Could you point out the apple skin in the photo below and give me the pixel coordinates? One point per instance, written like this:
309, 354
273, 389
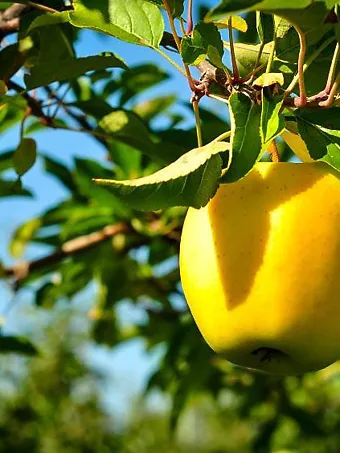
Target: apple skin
260, 268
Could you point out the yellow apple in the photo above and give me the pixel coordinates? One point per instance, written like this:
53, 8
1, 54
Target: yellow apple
260, 268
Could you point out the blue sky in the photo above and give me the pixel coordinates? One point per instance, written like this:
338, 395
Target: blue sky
128, 365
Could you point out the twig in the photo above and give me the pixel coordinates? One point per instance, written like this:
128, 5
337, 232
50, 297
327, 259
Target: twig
10, 19
72, 247
236, 74
198, 122
178, 44
332, 69
189, 20
44, 8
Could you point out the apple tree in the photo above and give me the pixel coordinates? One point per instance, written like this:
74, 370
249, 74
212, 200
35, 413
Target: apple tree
262, 81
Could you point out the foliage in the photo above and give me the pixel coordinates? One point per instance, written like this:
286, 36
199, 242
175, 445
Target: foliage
282, 76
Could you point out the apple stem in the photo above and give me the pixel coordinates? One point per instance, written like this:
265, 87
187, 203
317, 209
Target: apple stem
273, 151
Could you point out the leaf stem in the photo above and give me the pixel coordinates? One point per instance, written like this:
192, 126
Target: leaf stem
306, 65
258, 58
271, 55
332, 93
170, 60
198, 122
332, 69
302, 99
178, 43
236, 73
189, 20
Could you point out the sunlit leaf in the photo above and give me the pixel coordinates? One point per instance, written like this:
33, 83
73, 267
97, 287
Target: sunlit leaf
190, 181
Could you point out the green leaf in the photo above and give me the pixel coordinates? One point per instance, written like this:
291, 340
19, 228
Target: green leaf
22, 236
190, 181
245, 138
46, 73
126, 127
3, 88
18, 345
13, 188
305, 13
272, 121
49, 19
138, 79
322, 143
195, 49
24, 156
151, 108
47, 295
328, 118
265, 27
135, 21
6, 160
61, 172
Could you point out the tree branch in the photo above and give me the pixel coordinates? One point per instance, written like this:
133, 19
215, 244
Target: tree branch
69, 248
75, 246
10, 18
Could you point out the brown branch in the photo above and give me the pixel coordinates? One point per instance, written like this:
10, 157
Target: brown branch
69, 248
80, 244
10, 18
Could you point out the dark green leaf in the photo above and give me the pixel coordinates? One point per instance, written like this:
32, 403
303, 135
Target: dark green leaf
140, 78
206, 39
265, 27
46, 73
322, 143
12, 189
61, 172
47, 295
16, 345
190, 181
245, 138
24, 156
6, 160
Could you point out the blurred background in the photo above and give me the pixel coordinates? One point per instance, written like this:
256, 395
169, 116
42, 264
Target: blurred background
121, 365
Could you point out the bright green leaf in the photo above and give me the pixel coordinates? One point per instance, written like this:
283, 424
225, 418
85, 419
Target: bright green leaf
135, 21
190, 181
245, 138
205, 36
272, 121
23, 235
